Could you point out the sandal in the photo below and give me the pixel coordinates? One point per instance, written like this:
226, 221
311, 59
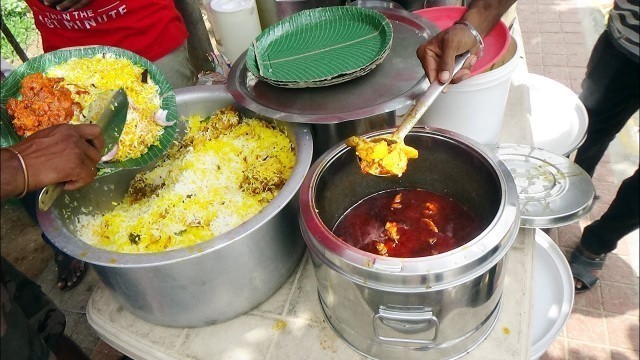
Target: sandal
582, 264
70, 271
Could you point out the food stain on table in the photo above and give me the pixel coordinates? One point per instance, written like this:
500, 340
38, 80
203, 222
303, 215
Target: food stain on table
279, 325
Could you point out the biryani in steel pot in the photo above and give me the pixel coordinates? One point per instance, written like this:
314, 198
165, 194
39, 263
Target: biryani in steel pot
62, 92
224, 171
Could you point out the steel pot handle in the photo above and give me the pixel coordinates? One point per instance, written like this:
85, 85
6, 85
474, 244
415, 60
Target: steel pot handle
412, 318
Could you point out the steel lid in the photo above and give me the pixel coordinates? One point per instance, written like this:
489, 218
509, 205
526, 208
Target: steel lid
394, 83
553, 190
553, 294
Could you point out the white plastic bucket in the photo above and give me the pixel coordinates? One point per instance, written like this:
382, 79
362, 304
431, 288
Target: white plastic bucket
235, 24
474, 107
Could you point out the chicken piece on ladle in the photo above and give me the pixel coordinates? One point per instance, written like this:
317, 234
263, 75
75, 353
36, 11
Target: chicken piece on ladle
382, 156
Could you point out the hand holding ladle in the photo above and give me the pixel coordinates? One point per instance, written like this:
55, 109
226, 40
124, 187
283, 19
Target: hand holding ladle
388, 155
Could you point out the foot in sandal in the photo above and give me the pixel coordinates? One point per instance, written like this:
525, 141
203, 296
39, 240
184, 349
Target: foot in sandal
584, 266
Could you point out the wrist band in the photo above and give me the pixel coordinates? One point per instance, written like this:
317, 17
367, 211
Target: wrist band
24, 171
475, 34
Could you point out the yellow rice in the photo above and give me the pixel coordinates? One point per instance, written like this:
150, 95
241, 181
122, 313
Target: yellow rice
99, 74
222, 173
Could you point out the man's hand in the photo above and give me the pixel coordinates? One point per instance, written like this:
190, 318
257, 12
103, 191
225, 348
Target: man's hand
62, 153
64, 5
437, 55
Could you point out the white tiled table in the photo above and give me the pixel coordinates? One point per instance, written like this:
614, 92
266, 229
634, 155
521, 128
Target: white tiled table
291, 325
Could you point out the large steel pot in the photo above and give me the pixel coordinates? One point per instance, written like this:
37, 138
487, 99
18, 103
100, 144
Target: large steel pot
211, 282
355, 107
401, 308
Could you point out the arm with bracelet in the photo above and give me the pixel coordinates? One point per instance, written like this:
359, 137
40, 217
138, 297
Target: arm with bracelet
59, 154
438, 53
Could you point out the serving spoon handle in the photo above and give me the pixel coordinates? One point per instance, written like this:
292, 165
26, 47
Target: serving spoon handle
426, 99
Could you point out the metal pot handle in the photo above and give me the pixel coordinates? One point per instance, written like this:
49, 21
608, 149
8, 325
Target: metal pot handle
413, 317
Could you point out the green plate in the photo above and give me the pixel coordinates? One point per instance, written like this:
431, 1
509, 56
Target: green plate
11, 89
321, 45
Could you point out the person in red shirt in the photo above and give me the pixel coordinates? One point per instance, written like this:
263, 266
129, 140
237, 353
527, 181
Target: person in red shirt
153, 29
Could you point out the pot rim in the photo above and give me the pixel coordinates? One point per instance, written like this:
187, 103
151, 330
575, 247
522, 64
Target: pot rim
476, 256
59, 234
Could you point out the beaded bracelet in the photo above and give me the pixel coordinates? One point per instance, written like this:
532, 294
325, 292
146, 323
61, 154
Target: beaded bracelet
475, 34
24, 171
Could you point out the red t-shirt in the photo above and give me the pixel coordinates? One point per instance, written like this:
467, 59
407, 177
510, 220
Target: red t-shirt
149, 28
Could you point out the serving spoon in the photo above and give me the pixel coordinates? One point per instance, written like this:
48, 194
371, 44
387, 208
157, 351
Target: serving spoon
109, 111
422, 104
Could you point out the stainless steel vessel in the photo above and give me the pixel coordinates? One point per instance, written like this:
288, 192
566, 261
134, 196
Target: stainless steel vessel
355, 107
408, 308
210, 282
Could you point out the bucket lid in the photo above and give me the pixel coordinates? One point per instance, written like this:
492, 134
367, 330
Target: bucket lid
558, 117
496, 42
553, 190
553, 294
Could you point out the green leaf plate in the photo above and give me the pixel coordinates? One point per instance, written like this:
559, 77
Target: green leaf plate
320, 47
41, 63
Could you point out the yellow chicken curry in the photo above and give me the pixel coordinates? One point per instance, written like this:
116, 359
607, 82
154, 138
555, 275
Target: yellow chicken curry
382, 156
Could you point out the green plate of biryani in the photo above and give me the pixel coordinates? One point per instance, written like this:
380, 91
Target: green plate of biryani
320, 47
58, 86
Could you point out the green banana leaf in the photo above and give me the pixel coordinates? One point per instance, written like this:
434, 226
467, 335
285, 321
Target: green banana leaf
41, 63
319, 46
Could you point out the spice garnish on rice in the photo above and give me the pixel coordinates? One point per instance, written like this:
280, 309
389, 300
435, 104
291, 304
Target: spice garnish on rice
225, 171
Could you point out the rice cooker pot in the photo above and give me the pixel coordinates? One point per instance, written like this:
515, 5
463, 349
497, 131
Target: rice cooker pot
392, 308
207, 283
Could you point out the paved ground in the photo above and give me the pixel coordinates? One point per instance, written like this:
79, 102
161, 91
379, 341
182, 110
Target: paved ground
558, 37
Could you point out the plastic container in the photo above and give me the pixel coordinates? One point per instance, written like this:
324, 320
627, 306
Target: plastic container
474, 107
235, 24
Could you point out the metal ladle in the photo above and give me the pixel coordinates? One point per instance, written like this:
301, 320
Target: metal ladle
420, 107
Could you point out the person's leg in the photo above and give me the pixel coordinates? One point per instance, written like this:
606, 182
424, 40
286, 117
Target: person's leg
177, 68
602, 236
31, 323
611, 94
70, 270
621, 218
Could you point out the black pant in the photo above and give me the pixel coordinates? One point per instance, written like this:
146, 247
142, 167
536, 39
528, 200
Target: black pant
611, 94
32, 325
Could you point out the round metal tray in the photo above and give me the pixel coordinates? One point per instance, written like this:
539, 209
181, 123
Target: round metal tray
553, 294
395, 83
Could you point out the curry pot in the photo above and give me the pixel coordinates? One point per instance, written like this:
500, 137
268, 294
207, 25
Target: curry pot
207, 283
404, 308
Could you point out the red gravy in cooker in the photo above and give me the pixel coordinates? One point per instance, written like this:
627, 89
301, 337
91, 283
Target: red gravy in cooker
407, 223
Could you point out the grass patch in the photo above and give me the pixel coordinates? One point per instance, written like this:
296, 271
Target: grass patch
17, 16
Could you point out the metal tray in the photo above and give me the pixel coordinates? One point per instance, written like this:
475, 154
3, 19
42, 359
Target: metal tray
395, 83
552, 294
